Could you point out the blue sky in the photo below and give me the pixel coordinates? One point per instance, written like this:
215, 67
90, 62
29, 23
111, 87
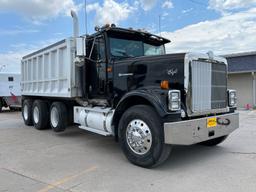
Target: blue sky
224, 26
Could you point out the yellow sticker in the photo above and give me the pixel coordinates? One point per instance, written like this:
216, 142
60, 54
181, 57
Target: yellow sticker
211, 122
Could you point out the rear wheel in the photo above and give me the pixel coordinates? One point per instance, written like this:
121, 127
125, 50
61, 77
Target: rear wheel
142, 137
40, 115
214, 142
27, 112
58, 116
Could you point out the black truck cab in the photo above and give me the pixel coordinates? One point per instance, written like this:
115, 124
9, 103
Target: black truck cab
121, 61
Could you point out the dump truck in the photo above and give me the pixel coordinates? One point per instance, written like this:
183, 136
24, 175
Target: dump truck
10, 94
120, 82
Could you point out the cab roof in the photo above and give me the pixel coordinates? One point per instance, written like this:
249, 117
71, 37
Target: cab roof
128, 32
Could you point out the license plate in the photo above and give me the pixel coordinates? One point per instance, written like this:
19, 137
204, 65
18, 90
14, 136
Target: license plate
211, 122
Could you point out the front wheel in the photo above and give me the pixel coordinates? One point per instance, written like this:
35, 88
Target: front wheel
142, 137
214, 142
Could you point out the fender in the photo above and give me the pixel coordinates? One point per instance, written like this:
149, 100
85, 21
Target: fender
156, 98
149, 96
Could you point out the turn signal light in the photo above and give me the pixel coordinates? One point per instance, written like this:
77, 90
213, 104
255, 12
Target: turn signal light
164, 84
109, 69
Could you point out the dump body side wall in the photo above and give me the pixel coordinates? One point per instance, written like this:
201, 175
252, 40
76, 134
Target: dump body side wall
50, 71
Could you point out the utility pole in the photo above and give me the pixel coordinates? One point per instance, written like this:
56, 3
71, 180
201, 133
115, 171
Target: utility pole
85, 16
159, 23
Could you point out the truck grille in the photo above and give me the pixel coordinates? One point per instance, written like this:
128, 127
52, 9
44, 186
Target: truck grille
209, 85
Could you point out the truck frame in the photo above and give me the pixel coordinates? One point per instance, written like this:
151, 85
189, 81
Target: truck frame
120, 82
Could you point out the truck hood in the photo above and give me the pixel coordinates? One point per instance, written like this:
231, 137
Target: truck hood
150, 71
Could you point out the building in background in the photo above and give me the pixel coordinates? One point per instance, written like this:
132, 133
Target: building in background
242, 77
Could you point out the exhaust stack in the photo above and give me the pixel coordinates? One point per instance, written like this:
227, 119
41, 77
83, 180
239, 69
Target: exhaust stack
75, 24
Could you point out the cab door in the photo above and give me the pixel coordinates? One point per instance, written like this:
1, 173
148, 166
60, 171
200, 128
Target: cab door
96, 70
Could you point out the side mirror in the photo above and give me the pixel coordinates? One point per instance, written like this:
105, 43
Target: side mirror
80, 46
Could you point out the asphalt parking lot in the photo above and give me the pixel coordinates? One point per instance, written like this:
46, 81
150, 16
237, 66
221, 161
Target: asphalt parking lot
79, 161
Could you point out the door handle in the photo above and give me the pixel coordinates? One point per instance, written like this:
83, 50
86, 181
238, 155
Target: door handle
124, 74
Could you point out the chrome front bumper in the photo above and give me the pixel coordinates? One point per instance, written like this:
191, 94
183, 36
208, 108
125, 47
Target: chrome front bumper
195, 131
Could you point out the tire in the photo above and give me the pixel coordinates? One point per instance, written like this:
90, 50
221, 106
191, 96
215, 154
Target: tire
58, 116
13, 108
1, 105
40, 115
214, 142
26, 112
153, 150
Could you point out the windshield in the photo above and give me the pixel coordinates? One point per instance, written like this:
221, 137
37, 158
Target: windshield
133, 48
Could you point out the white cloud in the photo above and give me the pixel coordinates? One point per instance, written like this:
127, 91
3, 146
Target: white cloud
224, 6
165, 14
147, 4
185, 11
229, 34
167, 4
92, 7
37, 10
16, 31
110, 11
12, 59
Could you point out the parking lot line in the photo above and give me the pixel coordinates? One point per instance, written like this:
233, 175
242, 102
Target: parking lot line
66, 179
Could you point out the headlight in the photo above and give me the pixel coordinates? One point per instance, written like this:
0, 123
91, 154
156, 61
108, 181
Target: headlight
174, 100
232, 99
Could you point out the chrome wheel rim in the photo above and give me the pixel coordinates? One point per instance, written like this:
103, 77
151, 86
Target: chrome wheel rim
138, 137
25, 112
36, 114
54, 117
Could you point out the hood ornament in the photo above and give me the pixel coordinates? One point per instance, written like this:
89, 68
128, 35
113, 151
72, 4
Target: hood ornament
172, 72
